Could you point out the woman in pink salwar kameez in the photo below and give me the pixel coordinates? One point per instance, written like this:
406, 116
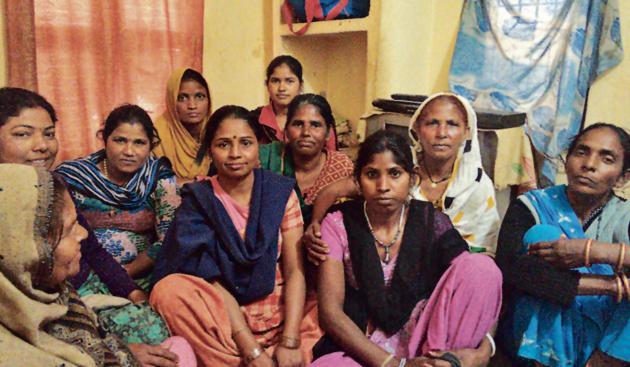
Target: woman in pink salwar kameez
399, 286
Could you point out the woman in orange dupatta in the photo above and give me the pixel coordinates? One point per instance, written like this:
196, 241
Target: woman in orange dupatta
188, 108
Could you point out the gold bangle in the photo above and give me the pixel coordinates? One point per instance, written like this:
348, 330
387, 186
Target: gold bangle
626, 284
289, 343
255, 353
622, 256
619, 288
587, 252
387, 360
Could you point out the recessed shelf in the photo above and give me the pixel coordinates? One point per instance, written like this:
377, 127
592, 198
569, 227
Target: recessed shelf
338, 56
327, 27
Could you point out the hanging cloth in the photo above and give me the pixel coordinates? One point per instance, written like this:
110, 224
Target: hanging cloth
540, 59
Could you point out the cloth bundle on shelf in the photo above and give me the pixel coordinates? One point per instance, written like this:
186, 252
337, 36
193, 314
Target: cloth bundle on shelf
313, 10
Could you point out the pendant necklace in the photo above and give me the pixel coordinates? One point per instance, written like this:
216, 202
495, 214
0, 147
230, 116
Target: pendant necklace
385, 246
434, 183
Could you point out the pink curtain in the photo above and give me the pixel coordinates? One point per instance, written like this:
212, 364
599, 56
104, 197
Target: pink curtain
92, 56
20, 31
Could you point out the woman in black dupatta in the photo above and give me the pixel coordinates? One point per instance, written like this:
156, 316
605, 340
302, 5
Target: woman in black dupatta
411, 293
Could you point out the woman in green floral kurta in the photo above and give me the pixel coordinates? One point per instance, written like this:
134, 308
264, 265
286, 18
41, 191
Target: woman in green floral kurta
129, 199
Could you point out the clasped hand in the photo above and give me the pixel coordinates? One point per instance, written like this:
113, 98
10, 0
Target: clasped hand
562, 253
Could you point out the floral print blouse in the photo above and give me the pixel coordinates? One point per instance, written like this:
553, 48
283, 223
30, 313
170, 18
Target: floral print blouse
127, 233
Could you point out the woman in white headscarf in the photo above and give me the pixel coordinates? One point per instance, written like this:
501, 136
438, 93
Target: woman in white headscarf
443, 131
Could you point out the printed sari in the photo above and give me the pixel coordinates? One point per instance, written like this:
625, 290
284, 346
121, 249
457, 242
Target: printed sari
567, 336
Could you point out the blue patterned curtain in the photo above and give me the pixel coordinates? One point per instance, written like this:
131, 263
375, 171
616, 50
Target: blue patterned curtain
538, 57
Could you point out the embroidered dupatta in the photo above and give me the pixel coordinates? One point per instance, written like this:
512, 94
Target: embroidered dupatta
38, 327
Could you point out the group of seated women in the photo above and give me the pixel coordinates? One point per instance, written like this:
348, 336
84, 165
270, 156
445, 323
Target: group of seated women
191, 242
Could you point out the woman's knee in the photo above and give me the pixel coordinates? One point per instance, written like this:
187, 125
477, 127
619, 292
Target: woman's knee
478, 269
169, 290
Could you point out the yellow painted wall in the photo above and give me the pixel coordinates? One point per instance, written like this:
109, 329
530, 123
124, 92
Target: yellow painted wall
445, 28
236, 50
609, 98
403, 63
416, 44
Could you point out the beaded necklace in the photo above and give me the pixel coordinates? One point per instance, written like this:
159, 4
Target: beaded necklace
385, 246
